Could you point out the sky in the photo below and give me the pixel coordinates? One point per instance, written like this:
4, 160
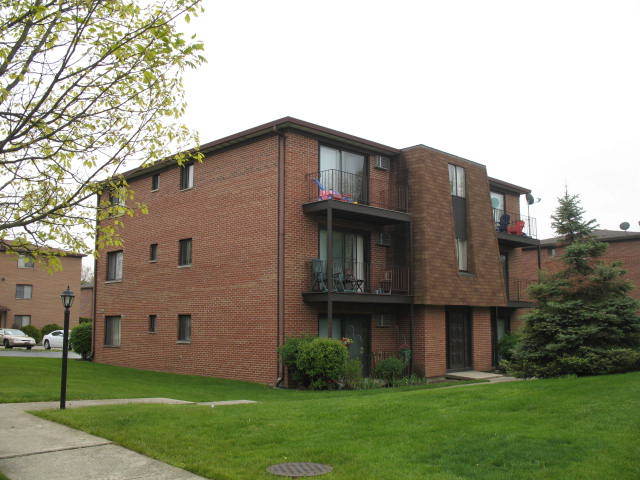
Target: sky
546, 94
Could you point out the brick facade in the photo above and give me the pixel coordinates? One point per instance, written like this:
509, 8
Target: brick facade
85, 302
245, 218
44, 306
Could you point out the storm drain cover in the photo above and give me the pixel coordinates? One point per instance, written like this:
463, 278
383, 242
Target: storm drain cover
303, 469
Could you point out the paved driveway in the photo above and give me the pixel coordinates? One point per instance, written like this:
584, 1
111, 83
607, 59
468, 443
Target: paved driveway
36, 351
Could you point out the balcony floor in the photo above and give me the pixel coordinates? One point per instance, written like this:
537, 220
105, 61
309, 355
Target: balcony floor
514, 241
319, 297
357, 211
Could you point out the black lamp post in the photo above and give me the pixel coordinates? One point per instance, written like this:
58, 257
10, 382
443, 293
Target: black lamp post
67, 300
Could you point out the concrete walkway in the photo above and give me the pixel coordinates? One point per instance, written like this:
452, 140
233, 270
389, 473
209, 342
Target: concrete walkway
32, 448
37, 351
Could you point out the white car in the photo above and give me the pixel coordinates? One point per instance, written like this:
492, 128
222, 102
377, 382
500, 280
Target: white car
53, 339
12, 337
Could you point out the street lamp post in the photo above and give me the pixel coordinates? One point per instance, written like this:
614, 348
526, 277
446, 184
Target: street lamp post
67, 300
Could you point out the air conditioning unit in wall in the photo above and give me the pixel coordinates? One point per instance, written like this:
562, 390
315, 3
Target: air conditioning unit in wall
383, 163
384, 239
383, 320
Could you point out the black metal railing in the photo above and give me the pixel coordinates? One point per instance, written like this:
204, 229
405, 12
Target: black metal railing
353, 188
517, 289
514, 223
358, 277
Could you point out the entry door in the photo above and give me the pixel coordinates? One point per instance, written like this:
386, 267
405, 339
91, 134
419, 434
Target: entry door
458, 339
355, 327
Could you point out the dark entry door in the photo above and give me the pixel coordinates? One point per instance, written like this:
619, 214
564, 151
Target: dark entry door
458, 339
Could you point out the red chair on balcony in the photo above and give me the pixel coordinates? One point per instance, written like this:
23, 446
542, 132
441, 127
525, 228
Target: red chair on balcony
517, 228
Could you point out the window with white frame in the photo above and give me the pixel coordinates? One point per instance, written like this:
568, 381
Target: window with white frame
112, 331
23, 291
114, 265
20, 321
186, 176
25, 261
457, 181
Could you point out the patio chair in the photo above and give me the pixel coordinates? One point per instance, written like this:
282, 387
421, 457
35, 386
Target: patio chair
339, 280
503, 224
319, 276
516, 229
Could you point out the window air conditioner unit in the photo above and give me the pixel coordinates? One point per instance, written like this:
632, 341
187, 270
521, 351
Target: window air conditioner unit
383, 320
383, 163
384, 239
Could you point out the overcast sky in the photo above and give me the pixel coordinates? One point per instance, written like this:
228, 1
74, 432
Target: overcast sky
541, 92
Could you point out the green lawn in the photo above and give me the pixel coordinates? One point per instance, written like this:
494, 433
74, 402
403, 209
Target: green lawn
574, 428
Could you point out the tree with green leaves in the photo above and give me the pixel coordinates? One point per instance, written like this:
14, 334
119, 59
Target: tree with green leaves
88, 89
585, 322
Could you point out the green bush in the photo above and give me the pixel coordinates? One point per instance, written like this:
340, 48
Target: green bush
322, 361
80, 339
352, 374
390, 369
32, 332
47, 329
289, 352
85, 320
506, 348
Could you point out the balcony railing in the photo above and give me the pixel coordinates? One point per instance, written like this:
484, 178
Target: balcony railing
517, 290
358, 277
354, 188
514, 223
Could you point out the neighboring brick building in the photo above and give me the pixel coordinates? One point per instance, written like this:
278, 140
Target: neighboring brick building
30, 295
622, 246
233, 256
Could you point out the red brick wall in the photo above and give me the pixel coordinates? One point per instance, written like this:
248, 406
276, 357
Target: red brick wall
430, 348
437, 280
482, 351
45, 306
230, 290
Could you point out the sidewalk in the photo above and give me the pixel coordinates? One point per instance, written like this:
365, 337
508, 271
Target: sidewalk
32, 448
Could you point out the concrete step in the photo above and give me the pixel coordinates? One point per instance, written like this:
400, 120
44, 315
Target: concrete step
474, 375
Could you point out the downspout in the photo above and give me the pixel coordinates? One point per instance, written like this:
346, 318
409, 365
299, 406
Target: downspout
95, 285
280, 267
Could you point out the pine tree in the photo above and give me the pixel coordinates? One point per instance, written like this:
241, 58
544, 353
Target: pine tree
585, 322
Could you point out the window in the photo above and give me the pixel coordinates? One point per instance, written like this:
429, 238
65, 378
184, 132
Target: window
152, 323
186, 176
24, 291
497, 204
25, 262
155, 182
116, 198
112, 331
185, 252
343, 172
456, 181
114, 265
458, 199
20, 321
552, 252
153, 252
184, 328
462, 255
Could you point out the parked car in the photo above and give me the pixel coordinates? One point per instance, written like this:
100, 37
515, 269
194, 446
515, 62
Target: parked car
53, 339
12, 337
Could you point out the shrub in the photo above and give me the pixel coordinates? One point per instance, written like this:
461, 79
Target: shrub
80, 339
352, 374
32, 332
322, 361
50, 328
389, 369
506, 348
289, 352
85, 320
410, 380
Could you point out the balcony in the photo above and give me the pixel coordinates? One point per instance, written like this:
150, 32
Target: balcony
349, 196
356, 282
515, 230
517, 292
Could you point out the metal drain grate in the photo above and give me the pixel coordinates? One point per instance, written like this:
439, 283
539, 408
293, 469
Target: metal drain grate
302, 469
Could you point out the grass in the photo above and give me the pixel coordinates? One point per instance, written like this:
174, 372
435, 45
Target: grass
38, 379
571, 428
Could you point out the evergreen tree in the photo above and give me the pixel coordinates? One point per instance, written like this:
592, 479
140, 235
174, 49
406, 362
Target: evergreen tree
585, 322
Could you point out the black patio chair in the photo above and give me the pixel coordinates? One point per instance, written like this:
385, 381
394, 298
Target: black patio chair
319, 276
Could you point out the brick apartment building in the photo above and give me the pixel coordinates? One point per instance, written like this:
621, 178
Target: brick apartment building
292, 229
622, 246
30, 295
